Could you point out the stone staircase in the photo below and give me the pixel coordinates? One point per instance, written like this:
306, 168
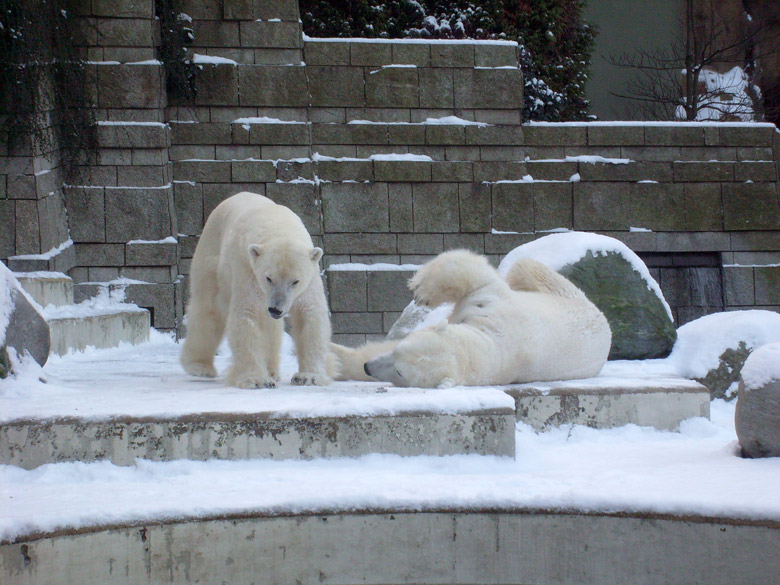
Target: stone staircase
101, 321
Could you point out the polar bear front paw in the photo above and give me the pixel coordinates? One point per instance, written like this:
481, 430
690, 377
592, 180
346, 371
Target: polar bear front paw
200, 369
310, 379
251, 381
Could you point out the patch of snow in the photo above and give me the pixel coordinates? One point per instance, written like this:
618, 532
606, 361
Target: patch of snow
558, 250
129, 123
409, 157
393, 66
575, 178
762, 367
591, 159
697, 124
638, 229
378, 267
199, 59
264, 120
701, 342
168, 240
146, 62
309, 39
47, 255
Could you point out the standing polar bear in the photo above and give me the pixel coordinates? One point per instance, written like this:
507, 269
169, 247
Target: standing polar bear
255, 263
533, 326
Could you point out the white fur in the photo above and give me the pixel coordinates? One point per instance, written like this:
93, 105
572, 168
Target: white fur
547, 330
255, 263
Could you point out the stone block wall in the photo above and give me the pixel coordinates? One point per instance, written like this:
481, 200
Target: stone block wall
391, 152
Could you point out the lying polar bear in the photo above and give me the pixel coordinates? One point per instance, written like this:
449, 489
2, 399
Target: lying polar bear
533, 326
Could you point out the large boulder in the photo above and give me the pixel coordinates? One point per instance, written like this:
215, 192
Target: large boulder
617, 281
757, 417
712, 349
22, 327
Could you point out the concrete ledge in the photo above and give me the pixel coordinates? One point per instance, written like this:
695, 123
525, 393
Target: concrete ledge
30, 443
544, 547
104, 329
611, 402
47, 288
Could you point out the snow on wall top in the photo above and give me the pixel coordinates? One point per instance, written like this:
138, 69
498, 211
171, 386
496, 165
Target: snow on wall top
309, 39
559, 250
761, 367
699, 123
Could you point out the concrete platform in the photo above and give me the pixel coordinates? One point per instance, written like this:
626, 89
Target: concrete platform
530, 546
604, 402
260, 435
100, 329
47, 288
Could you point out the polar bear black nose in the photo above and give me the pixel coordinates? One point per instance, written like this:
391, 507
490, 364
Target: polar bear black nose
275, 313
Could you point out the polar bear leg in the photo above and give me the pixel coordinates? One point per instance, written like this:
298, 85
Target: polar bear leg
310, 330
205, 328
251, 339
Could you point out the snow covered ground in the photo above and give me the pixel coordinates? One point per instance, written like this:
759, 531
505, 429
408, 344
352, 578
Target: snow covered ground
695, 471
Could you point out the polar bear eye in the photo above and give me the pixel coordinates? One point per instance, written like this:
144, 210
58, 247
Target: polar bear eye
295, 282
268, 278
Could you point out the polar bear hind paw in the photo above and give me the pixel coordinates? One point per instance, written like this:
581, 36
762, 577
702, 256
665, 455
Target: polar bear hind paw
310, 379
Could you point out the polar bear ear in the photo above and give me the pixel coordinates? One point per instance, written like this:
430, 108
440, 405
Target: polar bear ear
316, 254
254, 251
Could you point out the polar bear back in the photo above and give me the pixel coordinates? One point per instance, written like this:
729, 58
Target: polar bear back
251, 218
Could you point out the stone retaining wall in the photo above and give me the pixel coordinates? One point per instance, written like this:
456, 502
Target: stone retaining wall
698, 201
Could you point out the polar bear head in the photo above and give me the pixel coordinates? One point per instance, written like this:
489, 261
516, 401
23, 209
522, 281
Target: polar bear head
421, 360
283, 272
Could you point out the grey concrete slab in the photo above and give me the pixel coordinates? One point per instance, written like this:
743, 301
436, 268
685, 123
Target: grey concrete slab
260, 435
545, 547
610, 402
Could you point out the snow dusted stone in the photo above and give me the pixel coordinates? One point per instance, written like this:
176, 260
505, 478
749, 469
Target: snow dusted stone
757, 417
617, 281
22, 327
416, 317
712, 349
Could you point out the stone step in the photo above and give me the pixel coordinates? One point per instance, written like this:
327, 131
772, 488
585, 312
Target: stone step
73, 327
258, 435
47, 288
604, 402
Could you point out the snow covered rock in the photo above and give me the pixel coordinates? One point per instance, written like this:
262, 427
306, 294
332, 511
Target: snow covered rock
22, 327
617, 281
757, 416
712, 349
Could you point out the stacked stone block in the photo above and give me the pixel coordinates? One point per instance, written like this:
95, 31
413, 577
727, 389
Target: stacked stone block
341, 131
121, 212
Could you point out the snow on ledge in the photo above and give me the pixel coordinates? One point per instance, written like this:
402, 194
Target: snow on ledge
309, 39
168, 240
46, 255
378, 267
683, 124
199, 59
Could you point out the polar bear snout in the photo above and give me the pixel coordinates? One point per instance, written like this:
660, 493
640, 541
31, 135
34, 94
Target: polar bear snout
383, 368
